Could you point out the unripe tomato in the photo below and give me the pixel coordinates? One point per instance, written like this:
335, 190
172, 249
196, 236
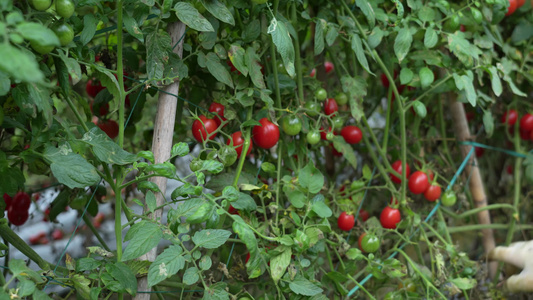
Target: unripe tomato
330, 106
41, 5
267, 135
291, 124
369, 243
432, 193
218, 110
341, 98
346, 221
418, 182
452, 24
313, 137
17, 217
196, 164
352, 134
390, 217
201, 131
227, 155
476, 15
312, 108
526, 122
238, 142
449, 198
511, 116
337, 123
397, 166
41, 49
321, 94
65, 8
324, 133
64, 33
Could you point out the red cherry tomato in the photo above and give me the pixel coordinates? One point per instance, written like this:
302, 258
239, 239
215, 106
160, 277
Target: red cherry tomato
46, 216
8, 200
479, 151
313, 72
21, 202
267, 135
346, 221
525, 135
526, 123
36, 239
390, 217
334, 151
238, 142
513, 5
218, 110
363, 215
17, 217
110, 127
520, 3
201, 131
511, 116
247, 258
330, 106
432, 193
104, 108
57, 234
397, 166
93, 87
232, 210
352, 134
418, 182
329, 67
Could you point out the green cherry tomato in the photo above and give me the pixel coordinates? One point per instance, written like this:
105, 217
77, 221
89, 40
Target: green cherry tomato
65, 8
40, 48
420, 109
64, 32
476, 15
41, 5
291, 124
313, 137
453, 23
227, 155
330, 135
312, 108
321, 94
448, 199
341, 98
370, 243
338, 122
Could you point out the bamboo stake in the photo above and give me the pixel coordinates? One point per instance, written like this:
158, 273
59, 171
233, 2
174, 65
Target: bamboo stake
462, 132
162, 143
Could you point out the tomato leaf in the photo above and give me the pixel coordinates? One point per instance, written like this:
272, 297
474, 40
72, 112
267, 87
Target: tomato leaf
355, 88
191, 17
406, 75
332, 34
236, 55
133, 28
211, 238
252, 61
463, 49
402, 44
283, 42
219, 11
105, 149
21, 64
168, 263
319, 36
124, 276
69, 168
368, 11
302, 286
426, 77
143, 237
357, 48
157, 48
430, 38
464, 283
217, 291
244, 202
311, 178
375, 37
179, 149
495, 80
466, 83
217, 69
39, 33
279, 264
251, 31
295, 196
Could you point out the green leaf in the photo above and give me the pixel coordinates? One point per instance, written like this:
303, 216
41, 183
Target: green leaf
165, 169
247, 236
426, 77
87, 264
168, 263
108, 80
375, 37
279, 264
216, 291
356, 90
463, 49
191, 276
236, 55
357, 47
244, 202
466, 83
319, 36
488, 122
211, 238
283, 42
71, 169
430, 38
310, 178
219, 10
296, 197
191, 17
252, 61
150, 201
105, 149
38, 33
124, 276
90, 23
406, 75
179, 149
464, 283
217, 69
205, 263
495, 81
21, 65
426, 14
147, 236
321, 209
347, 151
12, 177
402, 43
40, 295
354, 254
368, 11
133, 28
81, 284
523, 31
212, 166
332, 34
251, 31
302, 286
157, 48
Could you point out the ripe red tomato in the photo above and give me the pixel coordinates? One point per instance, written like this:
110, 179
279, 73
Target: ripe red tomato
479, 151
526, 123
334, 151
330, 106
57, 234
8, 200
432, 193
329, 67
110, 127
418, 182
313, 72
352, 134
232, 210
390, 217
267, 135
201, 131
36, 239
363, 215
346, 221
218, 110
524, 134
397, 166
511, 116
103, 108
93, 87
17, 217
238, 142
21, 202
247, 258
513, 5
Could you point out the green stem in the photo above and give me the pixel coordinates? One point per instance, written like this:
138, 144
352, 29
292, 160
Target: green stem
118, 221
297, 58
120, 75
76, 113
387, 122
278, 178
275, 64
361, 287
12, 238
95, 232
446, 232
443, 133
477, 210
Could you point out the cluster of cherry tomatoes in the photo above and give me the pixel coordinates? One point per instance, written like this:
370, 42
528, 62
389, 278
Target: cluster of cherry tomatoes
17, 208
526, 123
62, 29
41, 238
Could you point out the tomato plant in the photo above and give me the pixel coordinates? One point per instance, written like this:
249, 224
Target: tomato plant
369, 242
397, 166
218, 110
330, 106
389, 217
526, 122
418, 182
236, 140
352, 134
449, 198
265, 136
510, 117
345, 221
204, 128
432, 193
291, 124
